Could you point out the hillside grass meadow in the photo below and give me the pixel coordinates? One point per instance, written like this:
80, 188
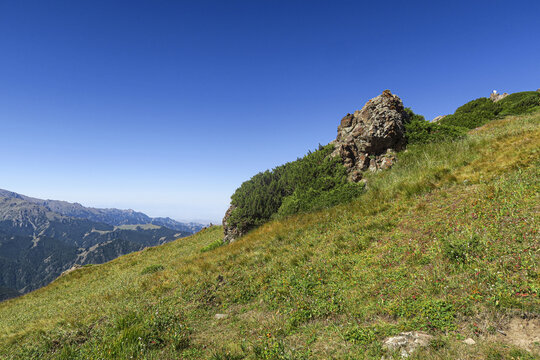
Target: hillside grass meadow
446, 242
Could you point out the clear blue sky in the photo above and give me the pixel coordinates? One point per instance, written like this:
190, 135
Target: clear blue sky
167, 106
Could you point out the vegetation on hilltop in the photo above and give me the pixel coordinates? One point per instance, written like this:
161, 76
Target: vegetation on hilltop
478, 112
444, 244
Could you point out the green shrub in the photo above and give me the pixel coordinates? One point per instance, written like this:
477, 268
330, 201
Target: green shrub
313, 182
225, 355
319, 181
439, 343
480, 111
520, 103
460, 249
271, 349
420, 131
306, 200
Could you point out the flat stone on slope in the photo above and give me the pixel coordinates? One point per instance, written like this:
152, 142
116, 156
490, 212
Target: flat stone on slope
407, 342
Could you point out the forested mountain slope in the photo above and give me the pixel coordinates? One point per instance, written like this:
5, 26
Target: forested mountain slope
40, 239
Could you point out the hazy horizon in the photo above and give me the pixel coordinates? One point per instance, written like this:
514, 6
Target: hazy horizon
127, 205
166, 108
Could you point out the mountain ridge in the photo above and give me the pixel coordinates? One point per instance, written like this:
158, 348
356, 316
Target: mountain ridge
40, 239
111, 216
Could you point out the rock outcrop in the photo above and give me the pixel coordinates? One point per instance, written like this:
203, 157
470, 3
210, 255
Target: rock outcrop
495, 96
369, 138
231, 232
438, 118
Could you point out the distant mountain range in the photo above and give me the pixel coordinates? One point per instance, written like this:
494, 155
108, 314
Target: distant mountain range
40, 239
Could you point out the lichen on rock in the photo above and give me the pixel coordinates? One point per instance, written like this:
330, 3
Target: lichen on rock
407, 342
369, 138
231, 232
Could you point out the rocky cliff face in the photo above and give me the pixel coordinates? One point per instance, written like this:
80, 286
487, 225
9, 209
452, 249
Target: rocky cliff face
369, 138
438, 118
494, 96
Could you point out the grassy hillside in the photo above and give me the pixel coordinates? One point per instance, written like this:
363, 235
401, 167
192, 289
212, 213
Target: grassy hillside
446, 242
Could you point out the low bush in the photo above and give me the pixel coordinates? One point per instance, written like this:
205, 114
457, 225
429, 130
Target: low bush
361, 335
313, 182
428, 314
420, 131
303, 200
460, 249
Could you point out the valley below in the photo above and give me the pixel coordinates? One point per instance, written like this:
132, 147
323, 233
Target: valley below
41, 239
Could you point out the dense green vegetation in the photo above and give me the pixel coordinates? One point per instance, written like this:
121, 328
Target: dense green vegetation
313, 182
420, 131
443, 244
478, 112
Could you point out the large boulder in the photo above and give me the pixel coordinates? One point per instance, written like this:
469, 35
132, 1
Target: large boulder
369, 138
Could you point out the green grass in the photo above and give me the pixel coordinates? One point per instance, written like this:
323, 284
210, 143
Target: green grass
445, 242
152, 269
213, 245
